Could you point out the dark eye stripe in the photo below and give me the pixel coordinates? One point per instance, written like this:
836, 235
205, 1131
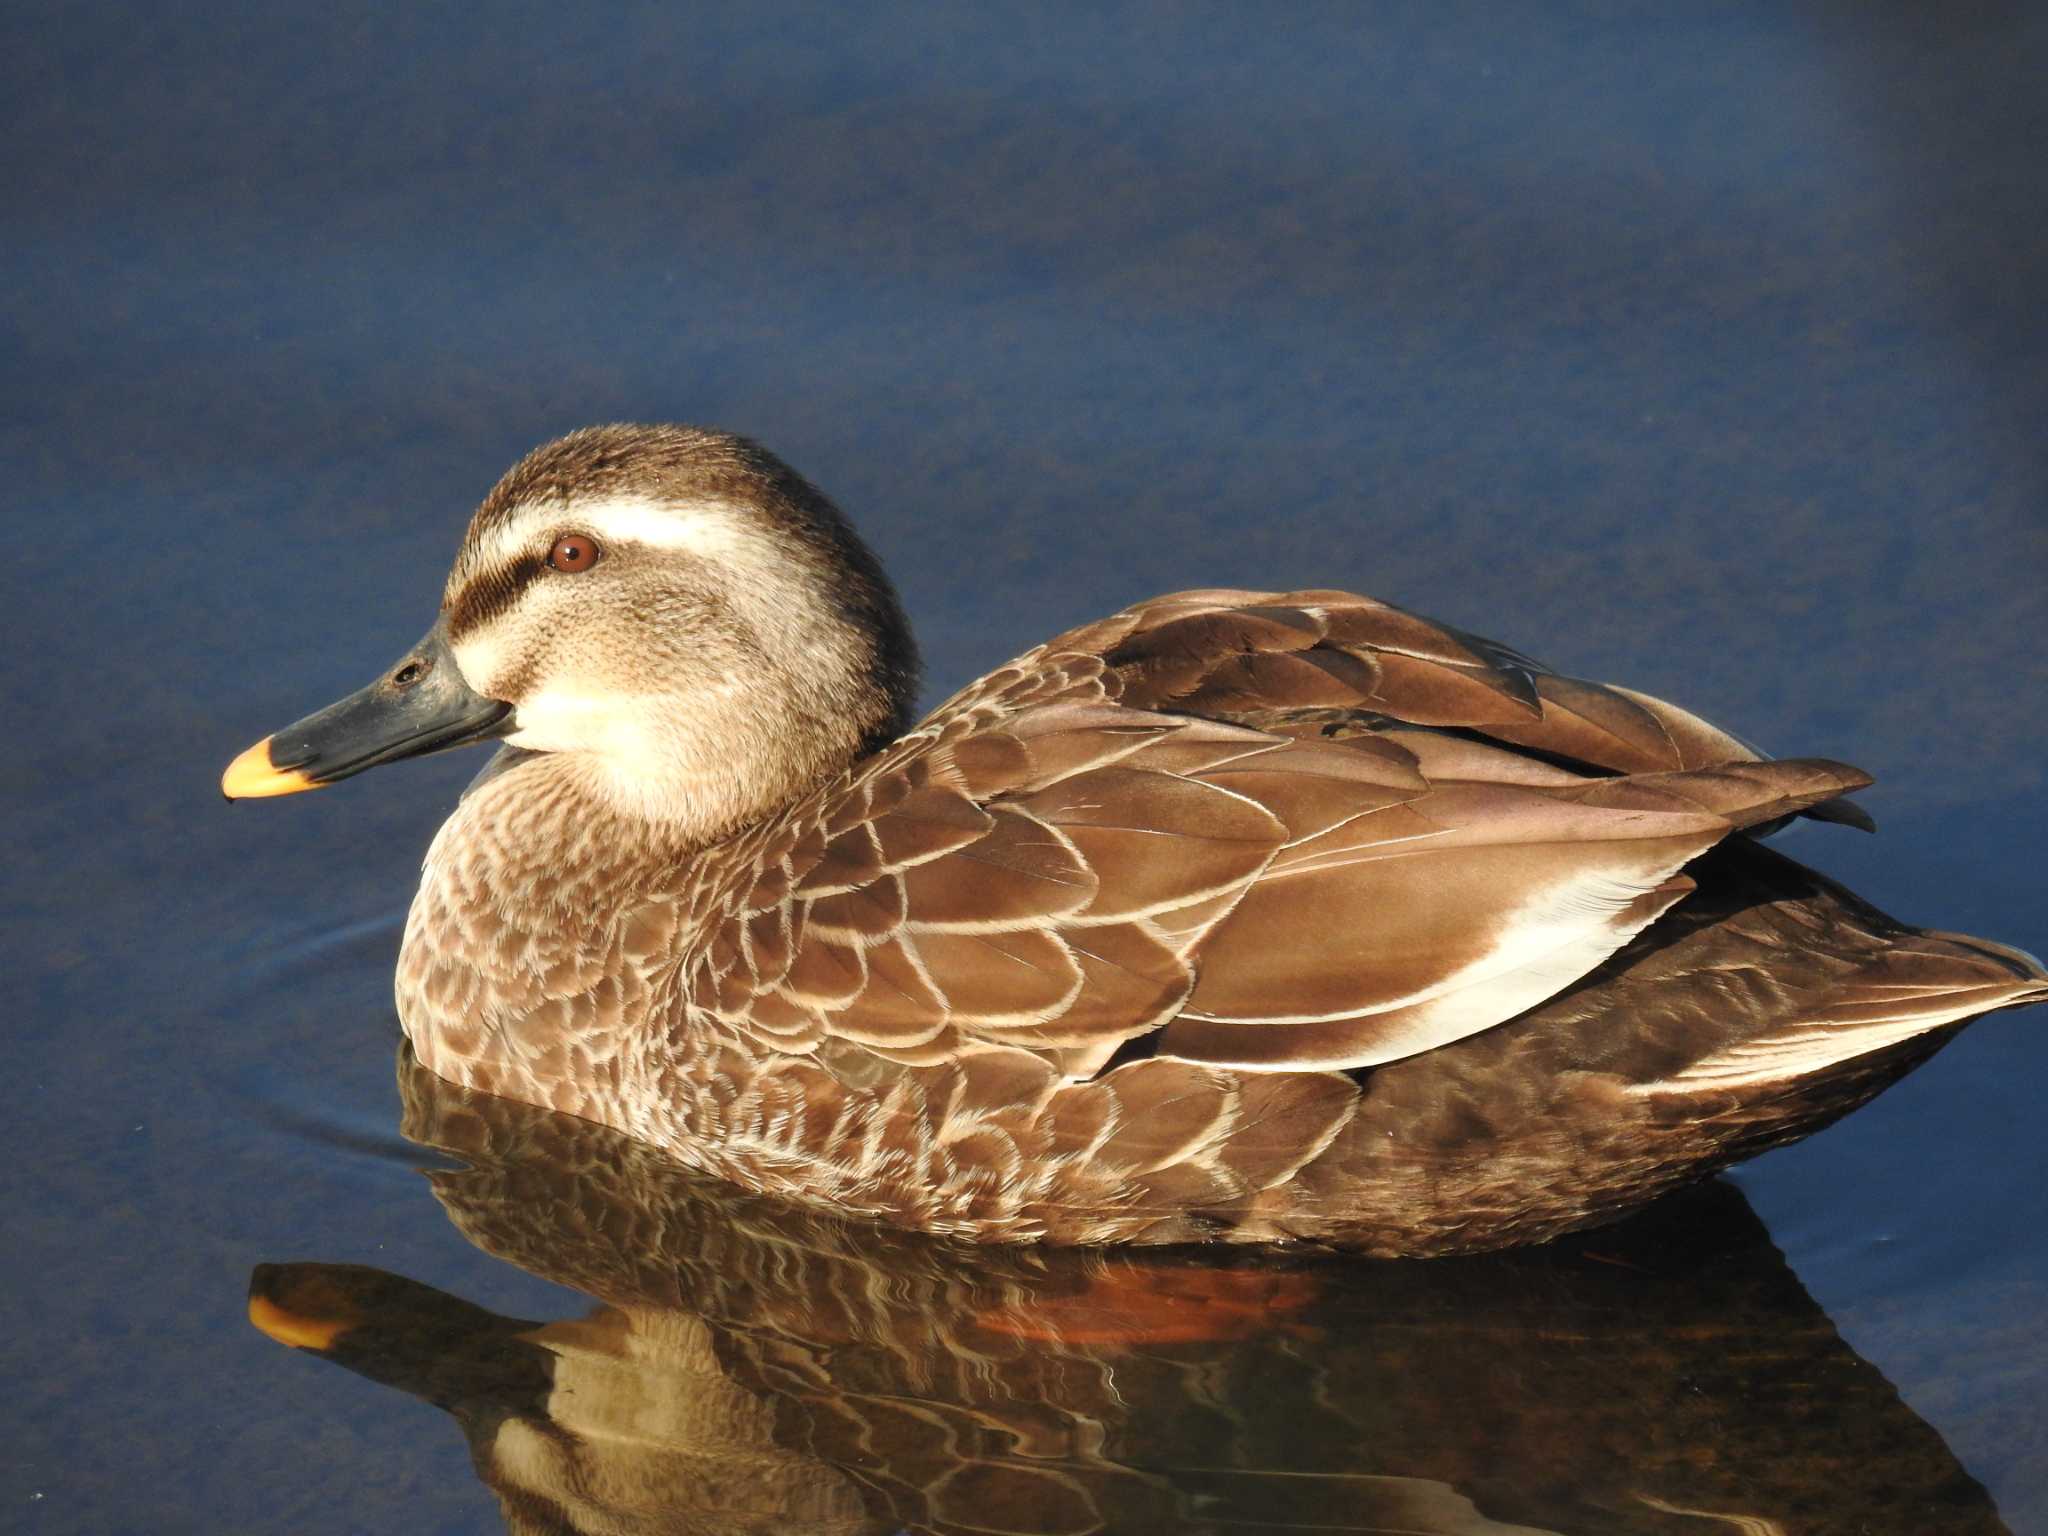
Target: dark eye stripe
493, 592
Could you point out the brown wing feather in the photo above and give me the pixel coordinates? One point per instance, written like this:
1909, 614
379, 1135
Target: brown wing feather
1146, 825
1179, 654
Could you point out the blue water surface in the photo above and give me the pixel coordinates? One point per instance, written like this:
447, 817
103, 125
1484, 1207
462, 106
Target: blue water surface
1699, 348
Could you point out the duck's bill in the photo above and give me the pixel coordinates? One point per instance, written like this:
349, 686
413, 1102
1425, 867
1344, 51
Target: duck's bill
421, 704
289, 1309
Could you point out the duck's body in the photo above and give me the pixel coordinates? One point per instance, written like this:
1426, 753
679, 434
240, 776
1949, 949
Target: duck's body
1239, 916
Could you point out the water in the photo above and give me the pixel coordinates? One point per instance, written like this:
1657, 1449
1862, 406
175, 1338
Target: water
1703, 356
750, 1367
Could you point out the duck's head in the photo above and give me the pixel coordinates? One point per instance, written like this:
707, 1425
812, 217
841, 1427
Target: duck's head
687, 622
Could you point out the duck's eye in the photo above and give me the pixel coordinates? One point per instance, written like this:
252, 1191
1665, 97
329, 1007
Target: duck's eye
573, 552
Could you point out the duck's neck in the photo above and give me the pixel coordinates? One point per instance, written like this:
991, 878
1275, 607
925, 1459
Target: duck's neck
681, 780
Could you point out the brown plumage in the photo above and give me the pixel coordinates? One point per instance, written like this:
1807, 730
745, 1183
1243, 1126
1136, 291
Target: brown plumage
1236, 915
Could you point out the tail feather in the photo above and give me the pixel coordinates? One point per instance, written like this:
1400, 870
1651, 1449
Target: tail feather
2026, 968
1845, 813
1922, 983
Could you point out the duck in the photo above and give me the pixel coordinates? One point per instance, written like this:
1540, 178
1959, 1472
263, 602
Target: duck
1234, 917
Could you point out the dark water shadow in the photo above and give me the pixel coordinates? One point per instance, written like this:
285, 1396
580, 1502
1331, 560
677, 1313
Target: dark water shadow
754, 1367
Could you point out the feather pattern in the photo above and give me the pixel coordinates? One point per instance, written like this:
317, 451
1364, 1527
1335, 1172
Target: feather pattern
1480, 887
753, 1367
1267, 839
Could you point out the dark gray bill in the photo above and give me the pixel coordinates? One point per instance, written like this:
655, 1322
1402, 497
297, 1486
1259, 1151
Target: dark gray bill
420, 705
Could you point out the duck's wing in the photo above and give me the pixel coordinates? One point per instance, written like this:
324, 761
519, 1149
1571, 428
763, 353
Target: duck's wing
1277, 831
1251, 654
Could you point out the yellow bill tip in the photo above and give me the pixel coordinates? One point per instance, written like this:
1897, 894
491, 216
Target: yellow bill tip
289, 1328
252, 776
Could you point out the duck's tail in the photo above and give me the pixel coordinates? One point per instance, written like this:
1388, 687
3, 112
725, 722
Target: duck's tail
1919, 985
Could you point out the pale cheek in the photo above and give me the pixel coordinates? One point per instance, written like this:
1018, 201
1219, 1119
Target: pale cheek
480, 660
557, 721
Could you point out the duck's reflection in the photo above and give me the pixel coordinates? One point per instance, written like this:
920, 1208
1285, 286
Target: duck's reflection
753, 1369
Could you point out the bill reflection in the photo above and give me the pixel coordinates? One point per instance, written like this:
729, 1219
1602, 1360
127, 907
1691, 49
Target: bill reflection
754, 1368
